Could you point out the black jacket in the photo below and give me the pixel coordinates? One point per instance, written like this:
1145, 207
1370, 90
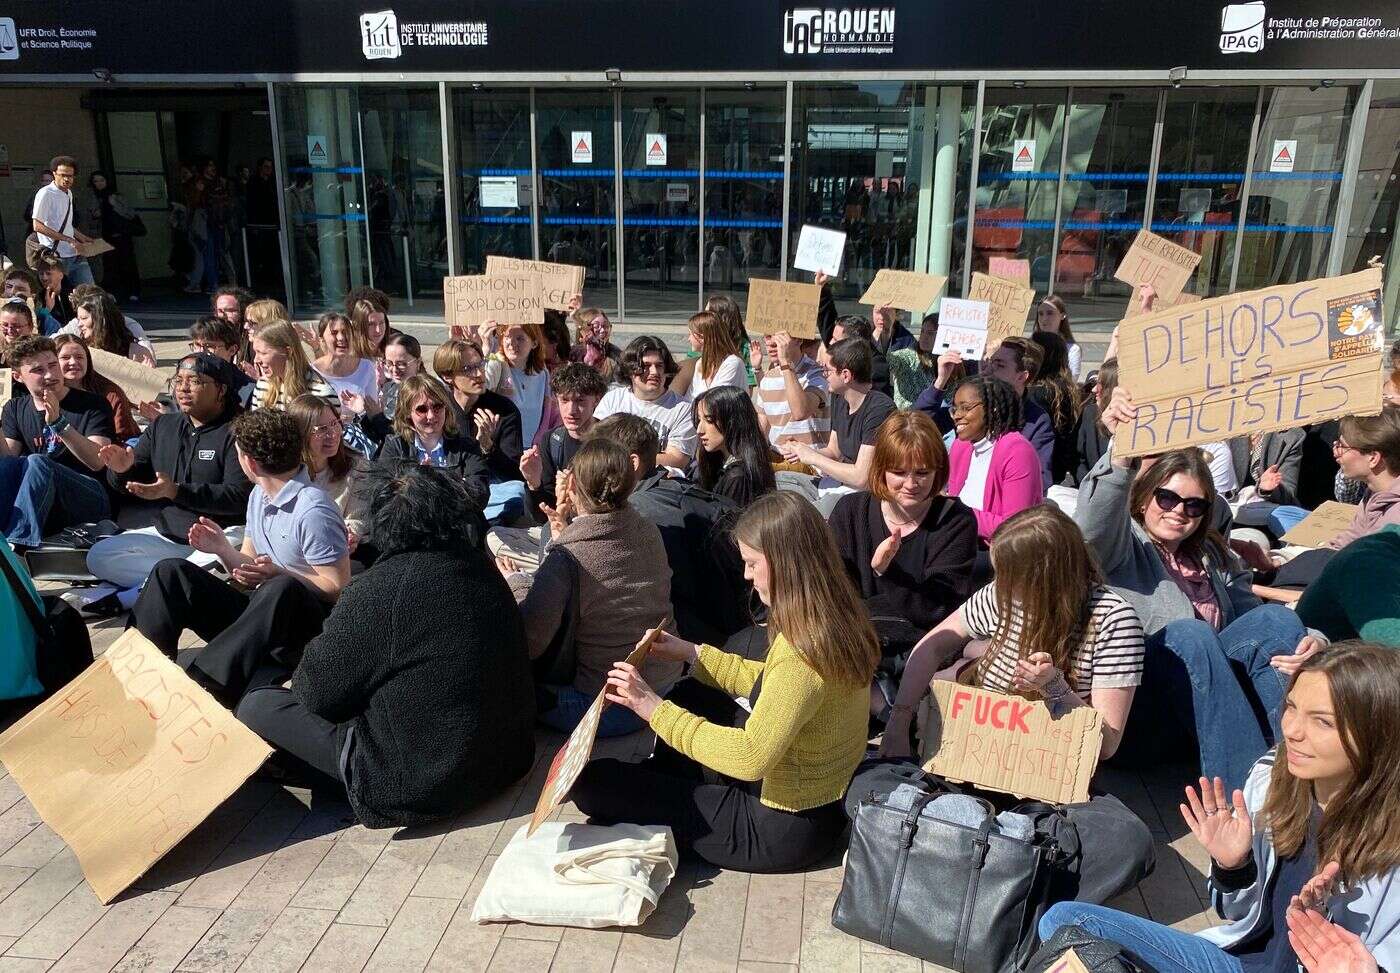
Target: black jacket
463, 457
504, 459
424, 656
203, 463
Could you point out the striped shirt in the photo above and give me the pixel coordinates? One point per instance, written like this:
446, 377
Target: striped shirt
315, 385
771, 398
1107, 656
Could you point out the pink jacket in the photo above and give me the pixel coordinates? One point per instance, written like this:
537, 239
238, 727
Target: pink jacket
1376, 511
1013, 481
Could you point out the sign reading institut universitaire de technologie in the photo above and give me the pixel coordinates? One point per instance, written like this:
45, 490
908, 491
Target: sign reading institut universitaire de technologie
40, 39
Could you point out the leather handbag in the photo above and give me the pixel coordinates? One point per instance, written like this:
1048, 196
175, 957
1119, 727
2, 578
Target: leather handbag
964, 897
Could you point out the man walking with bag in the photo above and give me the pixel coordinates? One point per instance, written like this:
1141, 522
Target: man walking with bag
53, 224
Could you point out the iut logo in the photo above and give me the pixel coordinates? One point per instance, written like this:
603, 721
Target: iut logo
379, 35
1242, 28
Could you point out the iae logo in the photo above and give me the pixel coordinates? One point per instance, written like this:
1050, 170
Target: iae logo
802, 31
1242, 28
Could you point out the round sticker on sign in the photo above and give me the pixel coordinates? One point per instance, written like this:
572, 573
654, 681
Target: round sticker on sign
1354, 325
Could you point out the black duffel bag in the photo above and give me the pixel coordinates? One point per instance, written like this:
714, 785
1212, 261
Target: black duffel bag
967, 898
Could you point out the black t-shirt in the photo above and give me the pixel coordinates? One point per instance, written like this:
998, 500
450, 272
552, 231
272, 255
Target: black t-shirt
854, 430
88, 413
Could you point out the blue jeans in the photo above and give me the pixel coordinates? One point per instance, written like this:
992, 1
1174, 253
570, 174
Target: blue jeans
1235, 695
616, 720
51, 496
78, 271
507, 503
1164, 949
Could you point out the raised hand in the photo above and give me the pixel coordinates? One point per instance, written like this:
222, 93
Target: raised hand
947, 361
208, 537
487, 425
1313, 895
149, 410
532, 467
1270, 479
116, 458
787, 348
162, 489
820, 278
47, 399
756, 355
1323, 946
886, 552
1223, 828
1120, 409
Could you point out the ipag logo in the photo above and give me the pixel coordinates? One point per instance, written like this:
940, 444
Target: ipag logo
1242, 28
379, 35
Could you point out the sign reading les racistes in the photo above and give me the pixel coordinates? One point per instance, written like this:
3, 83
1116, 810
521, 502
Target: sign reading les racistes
1157, 261
127, 759
514, 298
1256, 361
1008, 303
1009, 743
560, 281
775, 306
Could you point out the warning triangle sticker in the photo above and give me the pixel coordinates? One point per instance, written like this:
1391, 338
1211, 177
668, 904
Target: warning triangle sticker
1025, 153
1283, 154
318, 151
656, 148
582, 145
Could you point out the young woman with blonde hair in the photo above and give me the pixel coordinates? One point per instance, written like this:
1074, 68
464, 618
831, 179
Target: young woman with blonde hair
347, 358
283, 371
719, 362
518, 372
592, 343
1305, 859
256, 315
785, 765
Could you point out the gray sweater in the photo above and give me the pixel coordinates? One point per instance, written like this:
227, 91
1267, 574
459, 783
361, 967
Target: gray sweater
624, 589
1132, 565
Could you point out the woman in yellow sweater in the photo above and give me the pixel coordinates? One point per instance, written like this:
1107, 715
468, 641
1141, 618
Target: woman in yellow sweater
786, 754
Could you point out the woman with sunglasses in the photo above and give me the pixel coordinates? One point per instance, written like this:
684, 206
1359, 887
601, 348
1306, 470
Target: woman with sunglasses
1217, 658
426, 433
490, 418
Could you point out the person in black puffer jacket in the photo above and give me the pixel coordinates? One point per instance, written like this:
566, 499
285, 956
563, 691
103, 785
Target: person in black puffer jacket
417, 695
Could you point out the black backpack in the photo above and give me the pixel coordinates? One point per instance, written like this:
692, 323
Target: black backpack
62, 648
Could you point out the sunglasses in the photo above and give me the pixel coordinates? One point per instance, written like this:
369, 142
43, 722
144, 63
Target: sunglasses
428, 409
1192, 507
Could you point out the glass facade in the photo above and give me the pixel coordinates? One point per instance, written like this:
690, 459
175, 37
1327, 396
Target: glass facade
669, 194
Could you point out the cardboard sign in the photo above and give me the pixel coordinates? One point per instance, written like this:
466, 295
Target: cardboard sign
560, 281
775, 306
581, 147
905, 289
1159, 303
1008, 304
820, 249
1252, 362
573, 755
1069, 962
7, 386
141, 383
1009, 268
469, 302
127, 759
1157, 261
962, 327
93, 248
1009, 744
1318, 528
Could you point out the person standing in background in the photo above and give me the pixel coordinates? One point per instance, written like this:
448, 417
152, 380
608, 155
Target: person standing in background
54, 212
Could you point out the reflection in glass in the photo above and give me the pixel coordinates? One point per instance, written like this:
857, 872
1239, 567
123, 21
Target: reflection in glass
743, 188
577, 205
661, 202
855, 168
1375, 209
493, 142
1205, 149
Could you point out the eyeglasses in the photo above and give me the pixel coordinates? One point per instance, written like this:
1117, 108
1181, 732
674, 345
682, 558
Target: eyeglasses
963, 410
1193, 507
192, 384
428, 408
332, 427
213, 347
1341, 447
474, 369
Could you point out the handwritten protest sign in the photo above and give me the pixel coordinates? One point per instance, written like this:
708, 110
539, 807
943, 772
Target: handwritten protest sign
1009, 268
1157, 261
469, 302
127, 759
1008, 304
775, 306
962, 327
6, 386
1252, 362
820, 249
1008, 743
93, 248
905, 289
560, 282
573, 755
1323, 524
141, 383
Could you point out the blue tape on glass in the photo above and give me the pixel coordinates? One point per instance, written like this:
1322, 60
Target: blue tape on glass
495, 172
577, 173
743, 174
577, 220
338, 170
330, 217
514, 220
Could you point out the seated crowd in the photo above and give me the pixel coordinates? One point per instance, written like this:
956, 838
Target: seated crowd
399, 564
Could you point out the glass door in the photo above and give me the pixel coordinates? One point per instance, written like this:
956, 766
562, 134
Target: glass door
661, 203
1200, 179
401, 135
577, 178
494, 178
743, 188
1104, 196
1018, 174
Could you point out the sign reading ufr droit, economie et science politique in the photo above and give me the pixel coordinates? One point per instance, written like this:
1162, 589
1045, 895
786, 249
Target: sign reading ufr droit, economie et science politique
1252, 362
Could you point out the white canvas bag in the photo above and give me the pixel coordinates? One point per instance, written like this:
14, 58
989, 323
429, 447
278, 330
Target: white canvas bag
579, 875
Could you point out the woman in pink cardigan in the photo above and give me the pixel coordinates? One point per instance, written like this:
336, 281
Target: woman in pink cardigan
992, 468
